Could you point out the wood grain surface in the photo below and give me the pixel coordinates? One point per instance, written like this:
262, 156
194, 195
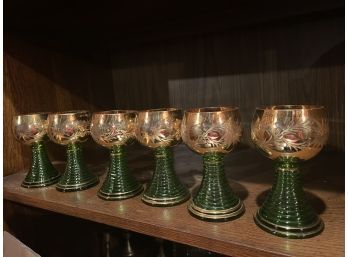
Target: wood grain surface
38, 79
250, 175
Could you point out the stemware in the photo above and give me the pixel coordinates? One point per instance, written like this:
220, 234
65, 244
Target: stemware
114, 130
71, 129
31, 129
289, 134
159, 129
213, 132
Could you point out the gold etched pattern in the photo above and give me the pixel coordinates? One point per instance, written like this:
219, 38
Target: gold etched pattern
68, 127
211, 129
290, 131
113, 127
30, 128
159, 127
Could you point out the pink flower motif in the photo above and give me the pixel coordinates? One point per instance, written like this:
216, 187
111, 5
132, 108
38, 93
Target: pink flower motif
214, 135
34, 131
163, 133
69, 131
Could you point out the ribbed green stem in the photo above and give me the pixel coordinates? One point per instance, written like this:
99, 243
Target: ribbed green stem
42, 173
215, 192
165, 187
286, 210
119, 183
76, 176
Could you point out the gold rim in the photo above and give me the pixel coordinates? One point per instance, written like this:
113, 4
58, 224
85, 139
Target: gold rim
122, 193
52, 181
217, 215
120, 196
42, 182
33, 114
163, 198
216, 212
79, 186
72, 112
170, 109
220, 109
289, 107
263, 220
164, 201
113, 112
295, 232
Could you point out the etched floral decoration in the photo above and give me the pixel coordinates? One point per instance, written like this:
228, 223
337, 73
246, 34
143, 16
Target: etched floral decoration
286, 132
212, 131
30, 129
289, 134
68, 127
209, 135
113, 127
30, 132
159, 128
162, 132
114, 134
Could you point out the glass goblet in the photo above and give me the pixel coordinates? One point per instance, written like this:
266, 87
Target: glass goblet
31, 129
289, 134
70, 129
212, 132
114, 130
159, 129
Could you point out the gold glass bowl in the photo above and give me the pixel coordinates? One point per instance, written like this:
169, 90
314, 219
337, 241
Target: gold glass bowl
31, 129
159, 129
114, 130
213, 132
70, 129
289, 134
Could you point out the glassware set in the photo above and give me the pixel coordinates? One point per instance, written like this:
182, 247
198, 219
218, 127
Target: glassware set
288, 134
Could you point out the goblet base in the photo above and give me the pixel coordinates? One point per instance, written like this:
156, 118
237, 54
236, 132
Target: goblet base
79, 186
309, 230
36, 184
120, 195
286, 211
162, 201
217, 215
165, 188
77, 176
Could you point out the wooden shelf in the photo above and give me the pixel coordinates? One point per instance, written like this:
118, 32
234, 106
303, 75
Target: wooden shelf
250, 175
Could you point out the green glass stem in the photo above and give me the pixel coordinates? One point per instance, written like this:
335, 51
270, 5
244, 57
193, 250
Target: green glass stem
119, 182
165, 188
215, 199
42, 173
286, 211
76, 176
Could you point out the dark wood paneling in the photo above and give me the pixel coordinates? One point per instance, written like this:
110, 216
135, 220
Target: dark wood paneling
39, 79
285, 63
118, 24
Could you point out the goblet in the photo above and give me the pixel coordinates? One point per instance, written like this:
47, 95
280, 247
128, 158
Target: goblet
31, 129
114, 130
212, 132
70, 129
289, 134
159, 129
